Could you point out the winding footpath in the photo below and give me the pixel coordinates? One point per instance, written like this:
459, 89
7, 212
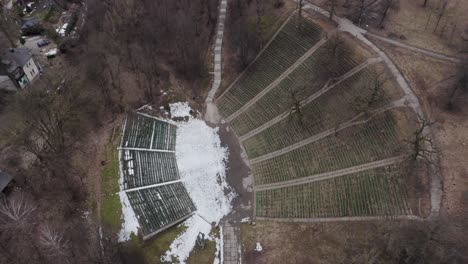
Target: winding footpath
230, 234
429, 53
212, 114
412, 101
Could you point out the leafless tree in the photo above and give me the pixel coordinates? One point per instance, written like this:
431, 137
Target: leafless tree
421, 145
332, 4
296, 113
16, 211
386, 6
460, 86
373, 94
336, 48
54, 243
441, 13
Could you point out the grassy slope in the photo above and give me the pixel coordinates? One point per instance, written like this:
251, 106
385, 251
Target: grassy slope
153, 249
111, 210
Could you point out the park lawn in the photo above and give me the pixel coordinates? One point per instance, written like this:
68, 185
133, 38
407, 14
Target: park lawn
111, 211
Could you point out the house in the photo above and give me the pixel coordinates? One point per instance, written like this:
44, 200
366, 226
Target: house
19, 65
6, 84
6, 181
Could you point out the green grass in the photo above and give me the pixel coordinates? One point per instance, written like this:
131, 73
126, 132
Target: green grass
153, 249
111, 210
206, 255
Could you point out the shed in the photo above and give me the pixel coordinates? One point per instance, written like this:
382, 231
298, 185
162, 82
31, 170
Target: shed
5, 180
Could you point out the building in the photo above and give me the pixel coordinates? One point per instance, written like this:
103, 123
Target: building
6, 84
19, 65
6, 181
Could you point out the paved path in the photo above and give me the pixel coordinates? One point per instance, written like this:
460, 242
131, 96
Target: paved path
418, 49
277, 81
331, 174
346, 25
231, 244
311, 98
212, 114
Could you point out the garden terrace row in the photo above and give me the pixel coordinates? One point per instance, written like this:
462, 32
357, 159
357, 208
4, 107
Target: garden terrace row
142, 168
284, 50
377, 139
310, 77
378, 192
333, 108
161, 206
148, 133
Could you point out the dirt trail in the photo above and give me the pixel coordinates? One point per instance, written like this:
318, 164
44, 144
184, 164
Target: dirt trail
346, 25
211, 114
430, 53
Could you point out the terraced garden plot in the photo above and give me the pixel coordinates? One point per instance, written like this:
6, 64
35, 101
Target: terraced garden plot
142, 168
160, 206
377, 192
307, 79
375, 140
148, 133
285, 49
326, 112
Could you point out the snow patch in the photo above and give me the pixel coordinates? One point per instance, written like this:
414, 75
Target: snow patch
202, 165
258, 247
181, 109
245, 220
130, 223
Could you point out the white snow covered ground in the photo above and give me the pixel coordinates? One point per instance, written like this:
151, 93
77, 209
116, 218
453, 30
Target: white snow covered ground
130, 222
202, 165
258, 247
181, 109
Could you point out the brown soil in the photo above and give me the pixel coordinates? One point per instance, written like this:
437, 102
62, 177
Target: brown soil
432, 80
408, 24
304, 243
93, 156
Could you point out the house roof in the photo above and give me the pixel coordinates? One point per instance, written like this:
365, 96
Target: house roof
29, 23
14, 58
6, 84
5, 179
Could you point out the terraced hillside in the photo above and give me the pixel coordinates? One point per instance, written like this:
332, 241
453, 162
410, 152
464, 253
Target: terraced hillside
325, 128
150, 177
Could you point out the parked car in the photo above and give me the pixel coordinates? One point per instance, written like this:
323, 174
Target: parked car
42, 43
51, 53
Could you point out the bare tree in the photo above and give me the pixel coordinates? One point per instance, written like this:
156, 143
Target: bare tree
16, 211
441, 13
336, 48
461, 85
421, 145
53, 242
332, 4
373, 95
387, 4
296, 113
